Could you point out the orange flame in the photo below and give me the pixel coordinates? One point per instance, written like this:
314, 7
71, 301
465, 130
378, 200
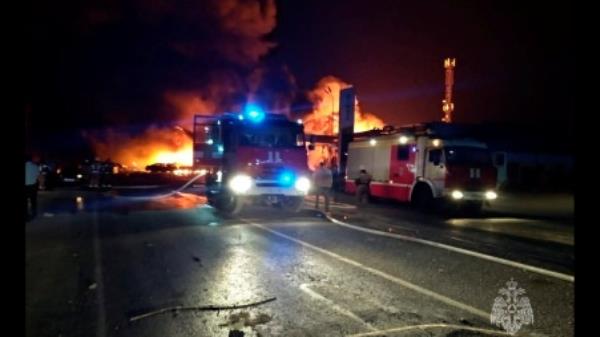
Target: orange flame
169, 145
174, 145
244, 26
155, 145
181, 157
323, 120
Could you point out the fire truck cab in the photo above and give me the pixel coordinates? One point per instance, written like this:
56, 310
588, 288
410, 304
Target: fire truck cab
424, 164
251, 158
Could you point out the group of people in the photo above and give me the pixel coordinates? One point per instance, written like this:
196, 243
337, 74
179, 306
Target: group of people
99, 174
37, 175
323, 180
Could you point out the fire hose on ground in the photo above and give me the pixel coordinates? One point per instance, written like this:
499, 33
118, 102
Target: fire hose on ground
160, 196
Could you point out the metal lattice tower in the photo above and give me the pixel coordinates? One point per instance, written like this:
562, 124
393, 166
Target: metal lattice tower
447, 104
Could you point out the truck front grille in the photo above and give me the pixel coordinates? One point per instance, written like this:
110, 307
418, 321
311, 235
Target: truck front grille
268, 184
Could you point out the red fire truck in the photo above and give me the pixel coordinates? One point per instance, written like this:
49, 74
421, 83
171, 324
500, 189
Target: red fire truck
251, 158
424, 164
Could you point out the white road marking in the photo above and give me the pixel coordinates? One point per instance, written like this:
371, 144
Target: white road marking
370, 300
304, 287
542, 271
394, 279
101, 317
428, 327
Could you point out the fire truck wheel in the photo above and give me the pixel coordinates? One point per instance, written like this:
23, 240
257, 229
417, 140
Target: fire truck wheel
422, 198
212, 200
293, 204
227, 204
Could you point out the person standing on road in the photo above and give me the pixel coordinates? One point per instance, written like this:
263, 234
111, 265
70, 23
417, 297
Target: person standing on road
362, 187
42, 178
32, 172
335, 186
323, 181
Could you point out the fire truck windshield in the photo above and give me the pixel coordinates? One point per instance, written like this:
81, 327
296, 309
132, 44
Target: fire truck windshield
464, 155
272, 136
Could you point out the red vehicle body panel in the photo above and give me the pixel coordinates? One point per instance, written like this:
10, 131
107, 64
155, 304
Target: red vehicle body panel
402, 176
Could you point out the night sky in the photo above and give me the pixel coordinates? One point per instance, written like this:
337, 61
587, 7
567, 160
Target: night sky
513, 62
104, 64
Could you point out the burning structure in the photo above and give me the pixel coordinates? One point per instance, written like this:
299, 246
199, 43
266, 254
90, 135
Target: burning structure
323, 120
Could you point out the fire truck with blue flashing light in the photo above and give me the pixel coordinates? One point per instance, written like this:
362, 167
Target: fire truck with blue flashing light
426, 164
251, 158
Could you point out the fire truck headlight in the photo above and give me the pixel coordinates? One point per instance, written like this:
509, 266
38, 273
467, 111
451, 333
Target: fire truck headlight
491, 195
79, 176
240, 184
302, 184
457, 195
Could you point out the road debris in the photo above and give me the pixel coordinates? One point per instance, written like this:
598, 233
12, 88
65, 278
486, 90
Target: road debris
93, 286
179, 308
465, 322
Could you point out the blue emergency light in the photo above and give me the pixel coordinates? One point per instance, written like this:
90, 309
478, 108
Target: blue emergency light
254, 113
286, 178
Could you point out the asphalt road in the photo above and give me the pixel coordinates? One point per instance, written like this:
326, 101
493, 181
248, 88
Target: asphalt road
94, 261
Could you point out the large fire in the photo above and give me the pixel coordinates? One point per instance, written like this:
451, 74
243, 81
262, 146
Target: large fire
174, 145
234, 30
244, 26
323, 120
326, 106
181, 157
165, 145
155, 145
